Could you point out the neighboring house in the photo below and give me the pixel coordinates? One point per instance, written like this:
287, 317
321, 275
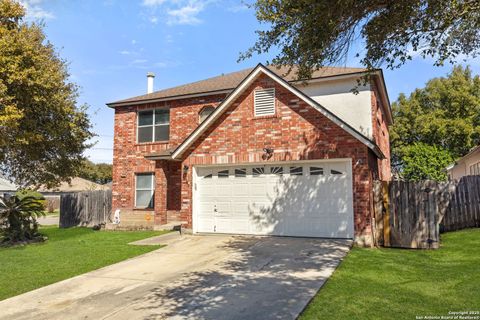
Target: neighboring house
254, 152
468, 165
6, 186
77, 184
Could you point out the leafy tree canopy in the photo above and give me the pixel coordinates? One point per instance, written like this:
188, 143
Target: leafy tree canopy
446, 113
436, 125
421, 161
313, 33
96, 172
43, 132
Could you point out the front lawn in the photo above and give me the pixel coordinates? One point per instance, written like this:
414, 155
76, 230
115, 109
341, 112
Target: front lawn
67, 253
402, 284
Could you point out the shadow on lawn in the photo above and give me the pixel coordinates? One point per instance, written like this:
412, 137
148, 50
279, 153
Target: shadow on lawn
271, 274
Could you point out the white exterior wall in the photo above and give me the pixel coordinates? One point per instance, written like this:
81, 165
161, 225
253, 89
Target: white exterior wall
457, 171
473, 159
462, 167
336, 96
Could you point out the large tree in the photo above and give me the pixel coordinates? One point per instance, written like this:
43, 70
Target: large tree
313, 33
444, 114
97, 172
43, 130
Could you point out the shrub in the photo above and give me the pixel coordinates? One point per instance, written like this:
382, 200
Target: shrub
21, 194
18, 221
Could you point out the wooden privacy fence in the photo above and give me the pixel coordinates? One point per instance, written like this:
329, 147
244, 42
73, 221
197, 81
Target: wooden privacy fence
410, 214
463, 210
85, 208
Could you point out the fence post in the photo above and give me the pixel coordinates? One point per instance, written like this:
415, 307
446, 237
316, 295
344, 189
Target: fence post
378, 212
386, 216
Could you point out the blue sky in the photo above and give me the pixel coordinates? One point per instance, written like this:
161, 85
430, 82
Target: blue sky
111, 45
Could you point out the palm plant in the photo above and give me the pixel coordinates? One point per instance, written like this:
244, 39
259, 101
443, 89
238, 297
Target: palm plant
18, 218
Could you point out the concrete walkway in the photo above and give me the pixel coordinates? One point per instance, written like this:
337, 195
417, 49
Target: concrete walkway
48, 220
194, 277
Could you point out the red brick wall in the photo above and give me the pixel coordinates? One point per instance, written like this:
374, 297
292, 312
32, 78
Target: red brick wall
128, 155
296, 132
381, 134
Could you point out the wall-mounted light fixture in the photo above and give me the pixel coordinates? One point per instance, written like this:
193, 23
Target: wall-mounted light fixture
268, 153
185, 169
268, 150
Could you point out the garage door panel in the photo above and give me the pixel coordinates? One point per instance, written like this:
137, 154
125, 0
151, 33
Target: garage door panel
206, 190
223, 190
317, 203
241, 210
258, 189
206, 224
241, 189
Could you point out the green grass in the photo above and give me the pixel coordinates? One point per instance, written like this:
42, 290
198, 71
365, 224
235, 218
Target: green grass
67, 253
401, 283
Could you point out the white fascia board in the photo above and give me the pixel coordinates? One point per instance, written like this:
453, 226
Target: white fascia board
154, 100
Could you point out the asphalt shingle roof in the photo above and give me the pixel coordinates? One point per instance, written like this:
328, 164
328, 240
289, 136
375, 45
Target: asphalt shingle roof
230, 81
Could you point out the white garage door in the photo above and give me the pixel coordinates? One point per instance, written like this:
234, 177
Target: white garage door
295, 199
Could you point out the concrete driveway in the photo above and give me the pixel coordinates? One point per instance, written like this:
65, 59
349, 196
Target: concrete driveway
194, 277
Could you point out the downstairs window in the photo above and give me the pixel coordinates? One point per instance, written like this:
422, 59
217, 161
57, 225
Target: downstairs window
144, 190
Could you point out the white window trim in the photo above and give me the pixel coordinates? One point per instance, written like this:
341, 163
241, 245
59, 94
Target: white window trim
152, 190
153, 125
255, 103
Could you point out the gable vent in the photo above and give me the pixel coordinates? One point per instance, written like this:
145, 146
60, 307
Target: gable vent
264, 102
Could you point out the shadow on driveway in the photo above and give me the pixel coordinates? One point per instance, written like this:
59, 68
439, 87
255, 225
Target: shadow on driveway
264, 278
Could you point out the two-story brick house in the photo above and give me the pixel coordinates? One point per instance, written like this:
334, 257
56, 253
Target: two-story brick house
254, 152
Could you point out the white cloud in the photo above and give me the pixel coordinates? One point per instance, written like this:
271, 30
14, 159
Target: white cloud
175, 12
186, 14
160, 64
139, 61
125, 52
134, 41
34, 10
153, 3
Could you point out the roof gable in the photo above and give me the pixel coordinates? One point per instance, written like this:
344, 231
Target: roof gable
260, 69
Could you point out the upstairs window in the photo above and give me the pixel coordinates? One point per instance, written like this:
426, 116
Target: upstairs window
204, 113
153, 125
264, 102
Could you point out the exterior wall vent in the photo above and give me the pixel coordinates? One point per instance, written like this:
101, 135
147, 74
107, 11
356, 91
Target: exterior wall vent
264, 102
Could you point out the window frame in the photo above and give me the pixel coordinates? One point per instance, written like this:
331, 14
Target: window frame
153, 125
296, 170
205, 108
152, 190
